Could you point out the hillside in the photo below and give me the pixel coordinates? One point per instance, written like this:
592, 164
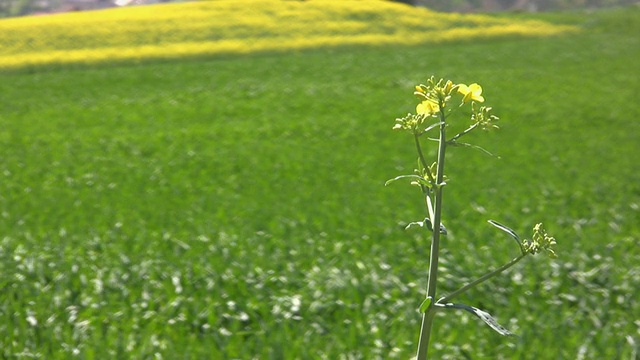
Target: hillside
213, 28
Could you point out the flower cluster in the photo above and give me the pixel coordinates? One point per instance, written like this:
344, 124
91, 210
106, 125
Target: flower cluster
483, 118
411, 122
435, 97
541, 241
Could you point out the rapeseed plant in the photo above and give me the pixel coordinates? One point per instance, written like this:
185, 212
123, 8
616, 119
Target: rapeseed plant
433, 114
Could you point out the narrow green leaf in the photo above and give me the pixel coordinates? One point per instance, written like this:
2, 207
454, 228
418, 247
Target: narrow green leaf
508, 231
432, 126
443, 230
429, 225
504, 228
476, 147
414, 223
403, 177
425, 305
484, 316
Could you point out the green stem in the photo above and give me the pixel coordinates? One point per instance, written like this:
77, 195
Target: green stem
422, 159
468, 130
482, 279
427, 318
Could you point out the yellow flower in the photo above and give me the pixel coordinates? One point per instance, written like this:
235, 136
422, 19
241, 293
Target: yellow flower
471, 92
427, 107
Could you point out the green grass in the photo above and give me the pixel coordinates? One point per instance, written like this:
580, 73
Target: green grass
235, 209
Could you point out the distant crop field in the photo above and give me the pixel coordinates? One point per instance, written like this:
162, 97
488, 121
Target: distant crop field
239, 27
235, 208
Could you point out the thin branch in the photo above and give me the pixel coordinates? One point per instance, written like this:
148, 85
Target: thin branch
423, 161
468, 130
482, 279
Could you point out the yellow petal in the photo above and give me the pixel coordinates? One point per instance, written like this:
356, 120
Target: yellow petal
463, 89
421, 108
426, 107
475, 88
476, 92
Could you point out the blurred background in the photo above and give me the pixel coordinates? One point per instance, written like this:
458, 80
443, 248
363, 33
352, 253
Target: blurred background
30, 7
205, 180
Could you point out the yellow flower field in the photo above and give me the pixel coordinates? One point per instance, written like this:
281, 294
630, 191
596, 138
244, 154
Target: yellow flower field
238, 27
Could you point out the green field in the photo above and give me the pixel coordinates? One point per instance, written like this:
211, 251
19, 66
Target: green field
233, 207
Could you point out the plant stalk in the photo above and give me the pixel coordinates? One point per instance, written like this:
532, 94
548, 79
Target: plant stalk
482, 279
468, 130
422, 159
427, 318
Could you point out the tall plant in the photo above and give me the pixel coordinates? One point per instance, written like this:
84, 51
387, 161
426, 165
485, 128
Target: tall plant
438, 101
